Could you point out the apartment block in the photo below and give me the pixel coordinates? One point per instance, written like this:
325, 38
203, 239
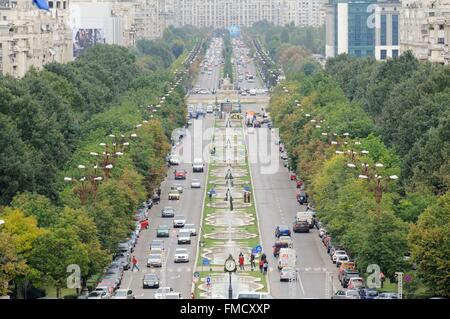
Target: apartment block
425, 29
30, 37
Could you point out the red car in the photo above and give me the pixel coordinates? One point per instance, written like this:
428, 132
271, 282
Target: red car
180, 174
144, 224
299, 184
293, 177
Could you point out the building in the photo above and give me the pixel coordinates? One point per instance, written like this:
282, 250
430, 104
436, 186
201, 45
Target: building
308, 12
150, 19
362, 28
425, 29
387, 43
30, 37
223, 13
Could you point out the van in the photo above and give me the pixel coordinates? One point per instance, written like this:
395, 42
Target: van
287, 258
198, 165
305, 216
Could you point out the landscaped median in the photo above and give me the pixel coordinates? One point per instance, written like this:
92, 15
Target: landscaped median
228, 228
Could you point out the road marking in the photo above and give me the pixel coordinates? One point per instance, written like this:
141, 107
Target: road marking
301, 284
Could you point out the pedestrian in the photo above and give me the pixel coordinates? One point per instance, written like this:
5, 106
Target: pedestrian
210, 195
134, 261
266, 266
252, 261
382, 278
261, 265
241, 261
159, 192
264, 257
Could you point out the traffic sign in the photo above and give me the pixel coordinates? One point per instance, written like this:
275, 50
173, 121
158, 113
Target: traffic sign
205, 261
258, 249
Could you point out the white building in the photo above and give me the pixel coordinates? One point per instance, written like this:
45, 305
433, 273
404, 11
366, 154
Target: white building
30, 37
424, 29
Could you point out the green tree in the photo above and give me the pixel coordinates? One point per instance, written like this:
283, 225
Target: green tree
12, 265
37, 206
430, 248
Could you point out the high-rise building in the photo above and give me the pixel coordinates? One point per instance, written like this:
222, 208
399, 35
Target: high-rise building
307, 12
362, 28
425, 29
30, 37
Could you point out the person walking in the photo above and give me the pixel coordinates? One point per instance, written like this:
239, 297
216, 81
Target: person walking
241, 261
134, 261
261, 265
266, 266
252, 261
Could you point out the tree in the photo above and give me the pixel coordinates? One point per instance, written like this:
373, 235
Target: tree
22, 229
53, 253
12, 265
37, 206
430, 248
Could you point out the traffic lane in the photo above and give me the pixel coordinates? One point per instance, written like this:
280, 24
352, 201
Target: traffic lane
312, 260
192, 201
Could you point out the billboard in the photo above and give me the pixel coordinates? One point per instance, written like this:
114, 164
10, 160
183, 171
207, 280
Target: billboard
85, 38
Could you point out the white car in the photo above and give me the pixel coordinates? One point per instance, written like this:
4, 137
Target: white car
340, 259
195, 183
336, 254
209, 109
154, 260
288, 273
179, 221
191, 228
184, 238
322, 232
181, 255
178, 187
284, 156
174, 160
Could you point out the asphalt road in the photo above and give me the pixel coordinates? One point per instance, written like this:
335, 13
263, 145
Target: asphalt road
276, 203
175, 275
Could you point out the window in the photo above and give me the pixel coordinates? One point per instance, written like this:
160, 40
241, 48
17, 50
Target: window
383, 30
394, 53
395, 29
441, 41
383, 55
50, 4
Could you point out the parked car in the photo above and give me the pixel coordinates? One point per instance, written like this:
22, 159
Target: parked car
174, 160
162, 231
123, 294
368, 293
322, 232
340, 259
168, 211
181, 255
336, 254
355, 283
387, 295
346, 294
300, 227
345, 278
282, 230
150, 281
99, 294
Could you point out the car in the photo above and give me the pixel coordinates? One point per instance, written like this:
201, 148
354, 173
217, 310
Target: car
195, 183
209, 109
302, 198
183, 238
124, 247
287, 239
169, 295
174, 194
163, 290
124, 259
284, 156
288, 274
150, 281
277, 246
367, 293
340, 259
300, 227
198, 165
174, 160
123, 294
168, 211
154, 259
253, 295
162, 231
98, 294
189, 122
346, 294
179, 221
157, 244
282, 230
345, 275
180, 174
181, 255
191, 228
387, 295
355, 283
336, 254
177, 187
115, 277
